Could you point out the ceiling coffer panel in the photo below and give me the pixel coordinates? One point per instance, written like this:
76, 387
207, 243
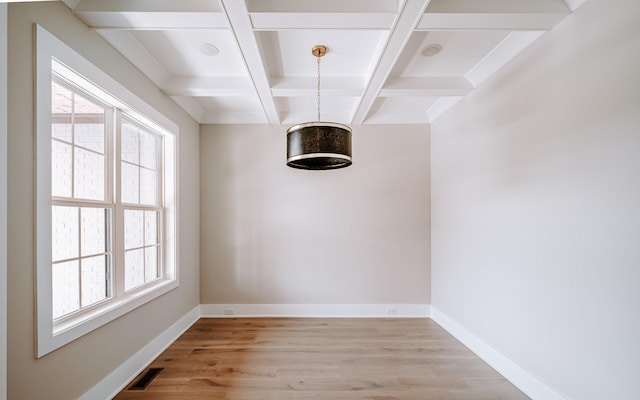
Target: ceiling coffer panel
388, 61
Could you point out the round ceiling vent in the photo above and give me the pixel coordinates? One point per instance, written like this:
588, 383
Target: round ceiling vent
431, 50
209, 49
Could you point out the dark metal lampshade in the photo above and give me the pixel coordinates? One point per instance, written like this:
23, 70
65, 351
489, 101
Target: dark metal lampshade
319, 146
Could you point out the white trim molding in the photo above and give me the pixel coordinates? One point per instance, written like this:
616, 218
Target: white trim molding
113, 383
317, 310
54, 55
117, 380
529, 384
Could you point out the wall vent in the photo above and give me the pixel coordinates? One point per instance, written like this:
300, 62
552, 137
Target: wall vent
145, 379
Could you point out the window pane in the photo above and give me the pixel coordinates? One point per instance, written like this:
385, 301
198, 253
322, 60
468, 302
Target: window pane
130, 150
94, 231
94, 280
61, 99
150, 228
148, 187
61, 110
133, 229
148, 150
61, 130
134, 268
89, 175
61, 155
91, 133
64, 233
88, 123
66, 288
85, 107
150, 263
130, 183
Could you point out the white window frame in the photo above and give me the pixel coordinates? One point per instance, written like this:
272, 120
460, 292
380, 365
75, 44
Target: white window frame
50, 52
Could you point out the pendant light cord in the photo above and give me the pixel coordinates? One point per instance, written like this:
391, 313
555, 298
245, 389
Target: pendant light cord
318, 58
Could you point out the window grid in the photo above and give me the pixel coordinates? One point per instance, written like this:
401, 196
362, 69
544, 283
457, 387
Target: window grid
147, 247
80, 260
141, 131
107, 116
82, 307
111, 202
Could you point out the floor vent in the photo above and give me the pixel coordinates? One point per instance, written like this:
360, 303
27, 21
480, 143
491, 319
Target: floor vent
145, 379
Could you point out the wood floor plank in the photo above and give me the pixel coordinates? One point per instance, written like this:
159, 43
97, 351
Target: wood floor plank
321, 358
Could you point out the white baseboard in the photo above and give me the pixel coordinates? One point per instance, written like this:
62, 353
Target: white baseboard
529, 384
113, 383
317, 310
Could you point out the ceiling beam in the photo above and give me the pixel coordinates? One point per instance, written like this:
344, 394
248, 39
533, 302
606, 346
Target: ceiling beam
241, 86
319, 20
505, 51
240, 23
403, 29
442, 86
208, 86
493, 14
331, 86
159, 14
227, 117
334, 6
472, 21
154, 20
147, 5
497, 6
325, 14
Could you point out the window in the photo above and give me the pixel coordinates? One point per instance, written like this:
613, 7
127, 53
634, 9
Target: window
105, 198
81, 206
86, 201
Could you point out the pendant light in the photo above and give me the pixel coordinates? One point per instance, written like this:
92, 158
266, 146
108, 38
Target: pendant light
319, 145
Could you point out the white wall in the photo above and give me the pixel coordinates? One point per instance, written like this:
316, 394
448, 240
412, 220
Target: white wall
536, 207
275, 235
70, 371
3, 201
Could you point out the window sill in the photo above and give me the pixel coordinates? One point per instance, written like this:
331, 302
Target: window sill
66, 332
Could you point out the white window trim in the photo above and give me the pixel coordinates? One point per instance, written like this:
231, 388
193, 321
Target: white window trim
49, 47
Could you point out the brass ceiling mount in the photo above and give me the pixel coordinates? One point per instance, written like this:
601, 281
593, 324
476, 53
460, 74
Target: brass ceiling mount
319, 50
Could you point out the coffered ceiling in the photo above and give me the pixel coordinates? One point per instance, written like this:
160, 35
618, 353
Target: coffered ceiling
388, 61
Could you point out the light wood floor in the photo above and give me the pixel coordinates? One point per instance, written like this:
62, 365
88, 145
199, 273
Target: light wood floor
311, 358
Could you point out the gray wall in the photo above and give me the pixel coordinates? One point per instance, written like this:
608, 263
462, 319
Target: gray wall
3, 201
273, 234
73, 369
536, 206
